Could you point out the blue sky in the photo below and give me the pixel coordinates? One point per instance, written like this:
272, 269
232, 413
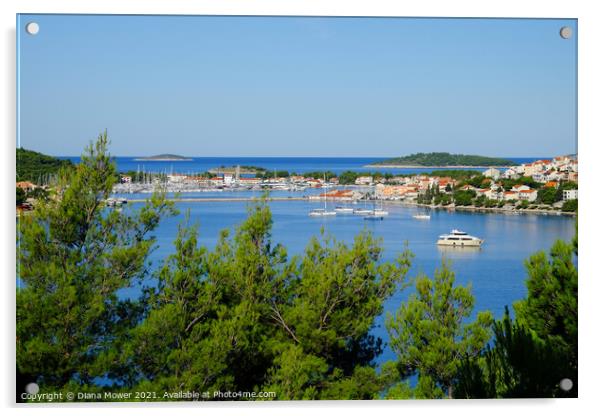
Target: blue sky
283, 86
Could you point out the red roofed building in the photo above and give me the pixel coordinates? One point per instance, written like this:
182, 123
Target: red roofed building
26, 186
527, 195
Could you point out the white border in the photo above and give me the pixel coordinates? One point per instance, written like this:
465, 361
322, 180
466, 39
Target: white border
590, 94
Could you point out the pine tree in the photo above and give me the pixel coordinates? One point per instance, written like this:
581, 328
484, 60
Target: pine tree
532, 354
429, 334
73, 256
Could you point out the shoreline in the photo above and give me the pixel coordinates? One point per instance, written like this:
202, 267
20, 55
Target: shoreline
493, 210
480, 210
437, 167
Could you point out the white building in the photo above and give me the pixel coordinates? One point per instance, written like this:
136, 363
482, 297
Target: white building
511, 173
569, 194
364, 180
510, 196
520, 188
528, 195
492, 173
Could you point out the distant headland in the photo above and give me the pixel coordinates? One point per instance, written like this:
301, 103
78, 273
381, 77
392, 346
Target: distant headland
442, 160
166, 157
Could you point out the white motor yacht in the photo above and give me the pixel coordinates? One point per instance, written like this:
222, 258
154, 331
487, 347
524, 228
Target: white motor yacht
459, 238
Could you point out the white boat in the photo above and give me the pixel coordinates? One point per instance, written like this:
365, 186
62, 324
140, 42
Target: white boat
343, 210
459, 239
362, 211
376, 214
379, 212
373, 217
421, 217
321, 212
115, 202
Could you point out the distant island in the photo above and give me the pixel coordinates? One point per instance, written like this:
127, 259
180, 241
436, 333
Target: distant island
242, 169
443, 159
166, 157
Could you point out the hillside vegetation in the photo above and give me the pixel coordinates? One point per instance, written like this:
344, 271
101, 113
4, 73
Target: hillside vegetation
445, 159
37, 167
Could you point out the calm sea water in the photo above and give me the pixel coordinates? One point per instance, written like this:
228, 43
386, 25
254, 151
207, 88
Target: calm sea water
496, 271
291, 164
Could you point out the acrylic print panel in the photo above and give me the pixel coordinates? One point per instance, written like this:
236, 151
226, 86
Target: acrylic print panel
222, 208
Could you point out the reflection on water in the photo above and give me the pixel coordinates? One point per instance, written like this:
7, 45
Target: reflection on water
459, 252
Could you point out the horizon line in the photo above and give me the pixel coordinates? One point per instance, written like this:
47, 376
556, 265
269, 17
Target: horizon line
319, 157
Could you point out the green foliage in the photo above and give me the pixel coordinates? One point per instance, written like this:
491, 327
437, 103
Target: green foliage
532, 354
38, 193
320, 174
37, 167
478, 180
432, 194
519, 365
272, 174
550, 308
480, 201
523, 205
442, 199
348, 177
244, 316
464, 197
73, 257
491, 203
446, 159
20, 196
566, 185
429, 335
523, 180
570, 205
458, 174
549, 195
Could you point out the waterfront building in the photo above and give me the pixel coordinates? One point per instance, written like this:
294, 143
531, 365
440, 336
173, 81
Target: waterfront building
527, 195
364, 180
569, 194
510, 196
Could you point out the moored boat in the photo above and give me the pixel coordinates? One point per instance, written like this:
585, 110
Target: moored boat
459, 238
421, 217
343, 210
321, 212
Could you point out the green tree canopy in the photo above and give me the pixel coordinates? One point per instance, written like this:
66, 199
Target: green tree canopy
73, 257
429, 335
